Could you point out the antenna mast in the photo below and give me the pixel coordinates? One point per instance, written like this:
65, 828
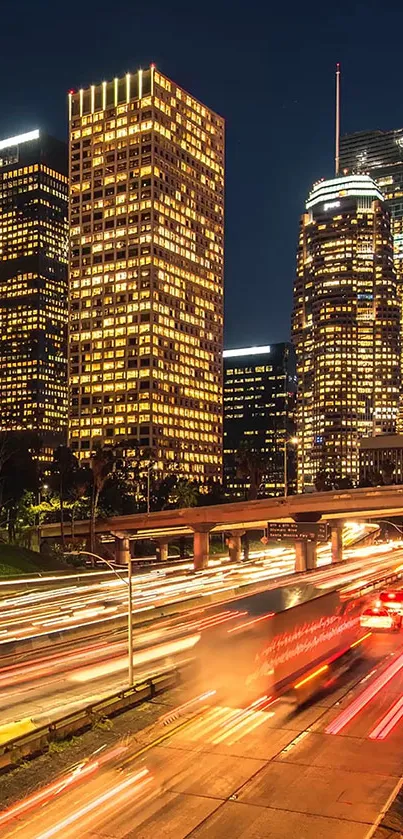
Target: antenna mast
337, 155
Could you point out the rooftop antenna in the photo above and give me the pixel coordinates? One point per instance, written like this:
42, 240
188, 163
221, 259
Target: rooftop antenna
337, 155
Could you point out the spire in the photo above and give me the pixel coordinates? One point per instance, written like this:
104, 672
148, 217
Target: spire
337, 145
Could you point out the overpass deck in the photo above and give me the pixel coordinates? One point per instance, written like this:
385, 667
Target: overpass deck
368, 503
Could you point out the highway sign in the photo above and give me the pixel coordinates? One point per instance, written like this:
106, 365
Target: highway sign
304, 531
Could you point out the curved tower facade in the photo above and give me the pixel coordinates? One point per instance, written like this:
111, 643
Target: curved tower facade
346, 327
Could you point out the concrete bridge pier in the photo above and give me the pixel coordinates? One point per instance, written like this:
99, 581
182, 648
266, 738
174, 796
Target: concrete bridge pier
337, 540
122, 550
201, 545
305, 556
162, 549
235, 545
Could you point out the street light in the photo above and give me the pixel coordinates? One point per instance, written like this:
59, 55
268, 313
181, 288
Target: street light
149, 468
293, 441
43, 488
127, 582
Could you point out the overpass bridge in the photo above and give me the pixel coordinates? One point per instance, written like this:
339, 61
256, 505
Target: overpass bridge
334, 507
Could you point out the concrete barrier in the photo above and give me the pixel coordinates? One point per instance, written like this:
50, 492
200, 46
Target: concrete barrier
33, 743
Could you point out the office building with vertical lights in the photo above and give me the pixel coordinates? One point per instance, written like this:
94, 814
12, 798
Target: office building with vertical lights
259, 406
146, 278
380, 154
33, 287
346, 327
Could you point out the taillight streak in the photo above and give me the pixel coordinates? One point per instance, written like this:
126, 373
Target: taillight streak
103, 799
388, 722
365, 697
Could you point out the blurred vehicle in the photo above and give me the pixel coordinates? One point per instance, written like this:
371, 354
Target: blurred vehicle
392, 600
293, 651
379, 617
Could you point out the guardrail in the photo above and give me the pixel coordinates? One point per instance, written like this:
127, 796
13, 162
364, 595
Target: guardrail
37, 742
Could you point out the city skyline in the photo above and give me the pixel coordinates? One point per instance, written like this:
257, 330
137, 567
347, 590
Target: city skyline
292, 68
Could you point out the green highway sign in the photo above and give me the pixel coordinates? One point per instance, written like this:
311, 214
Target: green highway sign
304, 531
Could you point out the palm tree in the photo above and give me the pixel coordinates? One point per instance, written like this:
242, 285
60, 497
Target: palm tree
79, 488
184, 494
63, 467
387, 471
251, 465
102, 463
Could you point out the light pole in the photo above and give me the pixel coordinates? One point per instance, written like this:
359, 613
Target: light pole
127, 582
149, 468
294, 442
41, 489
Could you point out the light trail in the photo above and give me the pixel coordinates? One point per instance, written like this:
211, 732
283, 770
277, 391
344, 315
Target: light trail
103, 802
77, 774
361, 701
388, 722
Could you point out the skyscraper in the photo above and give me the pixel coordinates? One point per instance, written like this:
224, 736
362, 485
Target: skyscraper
259, 406
346, 326
380, 154
33, 286
147, 228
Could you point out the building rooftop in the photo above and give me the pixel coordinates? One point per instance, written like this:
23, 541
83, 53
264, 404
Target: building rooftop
330, 192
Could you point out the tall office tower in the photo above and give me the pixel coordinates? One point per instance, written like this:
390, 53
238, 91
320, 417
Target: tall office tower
147, 228
346, 327
380, 154
33, 287
259, 406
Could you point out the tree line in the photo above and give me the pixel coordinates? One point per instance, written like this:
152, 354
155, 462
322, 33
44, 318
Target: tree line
68, 490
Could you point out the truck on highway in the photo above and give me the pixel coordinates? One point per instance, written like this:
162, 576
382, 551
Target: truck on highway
296, 650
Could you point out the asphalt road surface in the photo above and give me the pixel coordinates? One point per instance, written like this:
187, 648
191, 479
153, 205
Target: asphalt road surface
214, 770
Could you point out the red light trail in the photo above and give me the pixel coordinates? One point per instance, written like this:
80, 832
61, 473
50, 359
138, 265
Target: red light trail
365, 697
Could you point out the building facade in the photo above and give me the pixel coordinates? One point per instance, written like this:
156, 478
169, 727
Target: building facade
381, 460
380, 154
346, 327
33, 287
259, 406
146, 279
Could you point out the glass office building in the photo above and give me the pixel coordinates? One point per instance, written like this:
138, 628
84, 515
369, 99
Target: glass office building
146, 280
33, 286
346, 327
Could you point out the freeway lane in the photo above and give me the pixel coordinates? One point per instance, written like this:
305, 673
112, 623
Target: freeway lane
47, 686
265, 770
91, 600
97, 605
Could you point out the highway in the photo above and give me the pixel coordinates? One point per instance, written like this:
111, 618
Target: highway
56, 681
214, 770
98, 602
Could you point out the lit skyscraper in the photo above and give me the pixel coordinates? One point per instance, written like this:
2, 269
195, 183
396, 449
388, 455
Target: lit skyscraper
380, 154
259, 415
346, 326
147, 231
33, 286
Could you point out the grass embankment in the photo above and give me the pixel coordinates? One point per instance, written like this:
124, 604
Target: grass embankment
16, 560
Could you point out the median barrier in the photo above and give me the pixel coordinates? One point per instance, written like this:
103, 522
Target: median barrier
33, 743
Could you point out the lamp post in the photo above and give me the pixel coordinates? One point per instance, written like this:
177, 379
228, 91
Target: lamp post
41, 489
149, 469
294, 442
127, 582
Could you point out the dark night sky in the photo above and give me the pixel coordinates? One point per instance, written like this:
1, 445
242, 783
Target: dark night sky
266, 66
